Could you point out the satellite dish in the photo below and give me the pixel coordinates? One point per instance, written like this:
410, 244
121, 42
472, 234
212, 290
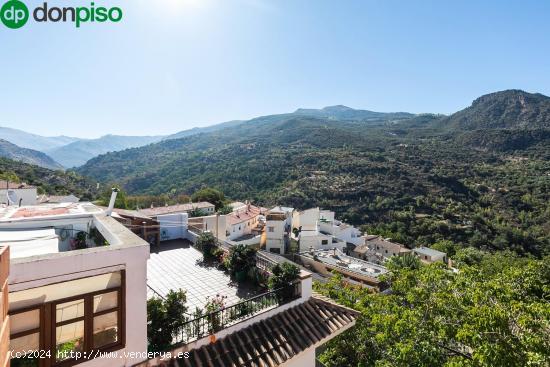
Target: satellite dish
12, 197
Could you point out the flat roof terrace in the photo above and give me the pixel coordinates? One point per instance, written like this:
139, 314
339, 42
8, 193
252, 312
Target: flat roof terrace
338, 259
177, 265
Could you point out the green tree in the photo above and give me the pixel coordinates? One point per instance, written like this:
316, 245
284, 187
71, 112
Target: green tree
494, 313
165, 318
282, 276
406, 261
206, 242
445, 246
213, 196
121, 201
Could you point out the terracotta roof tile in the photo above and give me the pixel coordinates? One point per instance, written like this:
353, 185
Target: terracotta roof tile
275, 340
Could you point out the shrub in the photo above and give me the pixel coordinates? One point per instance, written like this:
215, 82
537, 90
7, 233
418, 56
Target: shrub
165, 318
283, 276
206, 243
241, 258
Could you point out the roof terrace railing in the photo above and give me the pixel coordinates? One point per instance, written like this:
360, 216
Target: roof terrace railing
213, 322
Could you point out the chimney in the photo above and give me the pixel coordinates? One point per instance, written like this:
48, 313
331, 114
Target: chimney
112, 202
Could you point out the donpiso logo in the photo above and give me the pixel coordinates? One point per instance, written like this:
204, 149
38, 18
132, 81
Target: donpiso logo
15, 14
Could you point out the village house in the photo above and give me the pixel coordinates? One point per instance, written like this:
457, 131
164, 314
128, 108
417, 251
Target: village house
317, 229
428, 255
278, 226
77, 283
378, 249
245, 223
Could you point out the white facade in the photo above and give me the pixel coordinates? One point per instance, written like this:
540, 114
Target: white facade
320, 230
173, 226
429, 255
277, 229
241, 222
99, 290
319, 241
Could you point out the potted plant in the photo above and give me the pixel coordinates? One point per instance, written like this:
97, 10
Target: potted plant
213, 305
241, 259
282, 278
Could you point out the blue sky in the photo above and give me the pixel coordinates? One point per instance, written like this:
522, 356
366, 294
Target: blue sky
170, 65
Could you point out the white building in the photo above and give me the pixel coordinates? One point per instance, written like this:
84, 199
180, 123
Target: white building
429, 255
378, 249
318, 229
77, 283
278, 226
243, 222
19, 193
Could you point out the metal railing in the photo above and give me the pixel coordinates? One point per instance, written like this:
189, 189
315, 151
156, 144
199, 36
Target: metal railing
213, 322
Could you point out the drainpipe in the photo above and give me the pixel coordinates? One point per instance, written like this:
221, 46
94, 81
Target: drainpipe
111, 202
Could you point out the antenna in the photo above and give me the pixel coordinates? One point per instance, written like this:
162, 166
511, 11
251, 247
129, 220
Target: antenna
12, 197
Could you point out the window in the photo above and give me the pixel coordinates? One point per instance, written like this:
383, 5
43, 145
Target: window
324, 242
275, 250
83, 323
271, 229
25, 335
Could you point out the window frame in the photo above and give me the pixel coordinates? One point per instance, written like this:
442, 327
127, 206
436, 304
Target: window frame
48, 325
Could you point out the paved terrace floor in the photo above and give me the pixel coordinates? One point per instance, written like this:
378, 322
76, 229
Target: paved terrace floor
176, 264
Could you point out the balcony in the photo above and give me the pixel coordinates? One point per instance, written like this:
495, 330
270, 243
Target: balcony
213, 322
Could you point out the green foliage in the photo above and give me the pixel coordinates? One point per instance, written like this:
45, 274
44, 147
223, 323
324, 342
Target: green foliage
406, 261
435, 317
445, 246
196, 212
51, 182
121, 202
282, 276
226, 209
241, 258
213, 196
165, 318
206, 242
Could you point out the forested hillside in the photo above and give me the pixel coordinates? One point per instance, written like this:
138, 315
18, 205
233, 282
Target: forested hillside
416, 180
53, 182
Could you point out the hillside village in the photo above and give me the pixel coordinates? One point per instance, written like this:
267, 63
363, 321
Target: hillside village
311, 238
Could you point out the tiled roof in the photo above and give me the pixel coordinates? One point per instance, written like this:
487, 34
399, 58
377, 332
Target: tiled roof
180, 208
275, 340
428, 251
242, 215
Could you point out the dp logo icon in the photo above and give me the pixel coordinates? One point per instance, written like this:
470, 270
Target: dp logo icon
14, 14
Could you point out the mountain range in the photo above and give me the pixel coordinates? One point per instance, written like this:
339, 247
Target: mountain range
478, 177
25, 155
71, 152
